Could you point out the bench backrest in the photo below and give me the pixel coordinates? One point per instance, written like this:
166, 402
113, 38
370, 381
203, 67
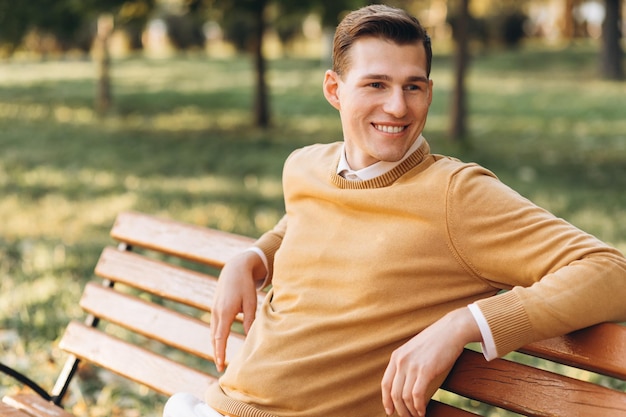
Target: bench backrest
153, 305
155, 284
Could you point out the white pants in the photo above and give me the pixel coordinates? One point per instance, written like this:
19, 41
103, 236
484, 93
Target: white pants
184, 404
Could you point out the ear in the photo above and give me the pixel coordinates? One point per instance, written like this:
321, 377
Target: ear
430, 92
331, 88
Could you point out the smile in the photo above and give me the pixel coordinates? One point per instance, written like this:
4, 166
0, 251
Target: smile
389, 129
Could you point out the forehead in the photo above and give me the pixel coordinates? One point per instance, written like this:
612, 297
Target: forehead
380, 56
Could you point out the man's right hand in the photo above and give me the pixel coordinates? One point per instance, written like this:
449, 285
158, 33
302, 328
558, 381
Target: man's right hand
235, 293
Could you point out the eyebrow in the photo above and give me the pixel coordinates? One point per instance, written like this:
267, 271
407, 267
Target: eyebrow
383, 77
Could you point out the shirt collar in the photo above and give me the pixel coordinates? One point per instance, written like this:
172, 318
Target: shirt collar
374, 170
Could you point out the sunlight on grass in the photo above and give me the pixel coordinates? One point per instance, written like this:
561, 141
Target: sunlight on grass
327, 128
186, 118
193, 119
56, 215
18, 299
47, 177
195, 75
82, 115
24, 112
28, 73
584, 134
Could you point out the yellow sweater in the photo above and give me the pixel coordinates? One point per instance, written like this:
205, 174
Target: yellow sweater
361, 267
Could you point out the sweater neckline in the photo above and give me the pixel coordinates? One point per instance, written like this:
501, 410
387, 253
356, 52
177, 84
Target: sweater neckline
383, 180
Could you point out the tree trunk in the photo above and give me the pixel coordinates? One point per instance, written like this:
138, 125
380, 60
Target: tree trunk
458, 127
103, 63
261, 105
612, 53
567, 25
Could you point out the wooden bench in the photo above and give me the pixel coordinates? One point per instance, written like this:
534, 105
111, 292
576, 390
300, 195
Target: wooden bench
147, 320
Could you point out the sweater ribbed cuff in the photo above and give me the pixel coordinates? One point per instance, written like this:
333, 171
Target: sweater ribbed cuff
508, 321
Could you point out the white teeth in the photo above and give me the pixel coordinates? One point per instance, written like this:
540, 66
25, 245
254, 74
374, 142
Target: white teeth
389, 129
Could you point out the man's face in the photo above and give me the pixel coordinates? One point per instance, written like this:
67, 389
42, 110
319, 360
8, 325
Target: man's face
382, 98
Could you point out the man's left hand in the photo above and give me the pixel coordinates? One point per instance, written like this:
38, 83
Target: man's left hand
415, 366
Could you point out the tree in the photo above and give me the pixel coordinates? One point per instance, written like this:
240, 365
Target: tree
103, 62
568, 22
261, 102
612, 54
62, 18
245, 22
458, 121
65, 19
245, 25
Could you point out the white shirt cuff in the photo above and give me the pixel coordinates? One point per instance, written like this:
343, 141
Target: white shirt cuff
263, 258
488, 344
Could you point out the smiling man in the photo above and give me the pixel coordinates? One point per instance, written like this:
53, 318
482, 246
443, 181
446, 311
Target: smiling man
390, 259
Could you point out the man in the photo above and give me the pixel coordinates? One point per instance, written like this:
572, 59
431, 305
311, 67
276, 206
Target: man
391, 259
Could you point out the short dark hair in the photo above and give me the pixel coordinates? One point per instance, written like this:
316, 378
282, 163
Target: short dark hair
381, 21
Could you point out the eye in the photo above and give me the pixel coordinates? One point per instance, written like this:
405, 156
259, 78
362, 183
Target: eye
413, 87
376, 85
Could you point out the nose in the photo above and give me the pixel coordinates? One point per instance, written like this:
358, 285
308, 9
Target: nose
395, 103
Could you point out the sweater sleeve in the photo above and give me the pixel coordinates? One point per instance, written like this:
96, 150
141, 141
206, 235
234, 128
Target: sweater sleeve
556, 278
269, 243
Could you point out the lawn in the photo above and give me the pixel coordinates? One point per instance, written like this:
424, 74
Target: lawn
179, 143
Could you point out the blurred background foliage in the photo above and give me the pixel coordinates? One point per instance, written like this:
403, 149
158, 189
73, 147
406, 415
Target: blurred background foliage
180, 136
271, 28
57, 26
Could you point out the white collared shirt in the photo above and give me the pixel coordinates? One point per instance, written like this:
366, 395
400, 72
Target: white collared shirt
374, 170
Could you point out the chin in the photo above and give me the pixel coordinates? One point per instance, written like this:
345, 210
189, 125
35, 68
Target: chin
392, 156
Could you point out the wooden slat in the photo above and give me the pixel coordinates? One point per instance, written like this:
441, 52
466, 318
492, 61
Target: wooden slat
7, 410
168, 281
195, 243
530, 391
137, 364
601, 349
156, 322
30, 405
159, 278
437, 409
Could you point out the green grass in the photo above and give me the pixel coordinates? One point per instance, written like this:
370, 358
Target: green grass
179, 143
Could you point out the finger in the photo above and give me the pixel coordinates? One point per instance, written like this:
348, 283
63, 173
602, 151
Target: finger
398, 395
407, 394
219, 346
220, 331
220, 354
249, 312
418, 393
386, 386
216, 355
214, 323
394, 390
